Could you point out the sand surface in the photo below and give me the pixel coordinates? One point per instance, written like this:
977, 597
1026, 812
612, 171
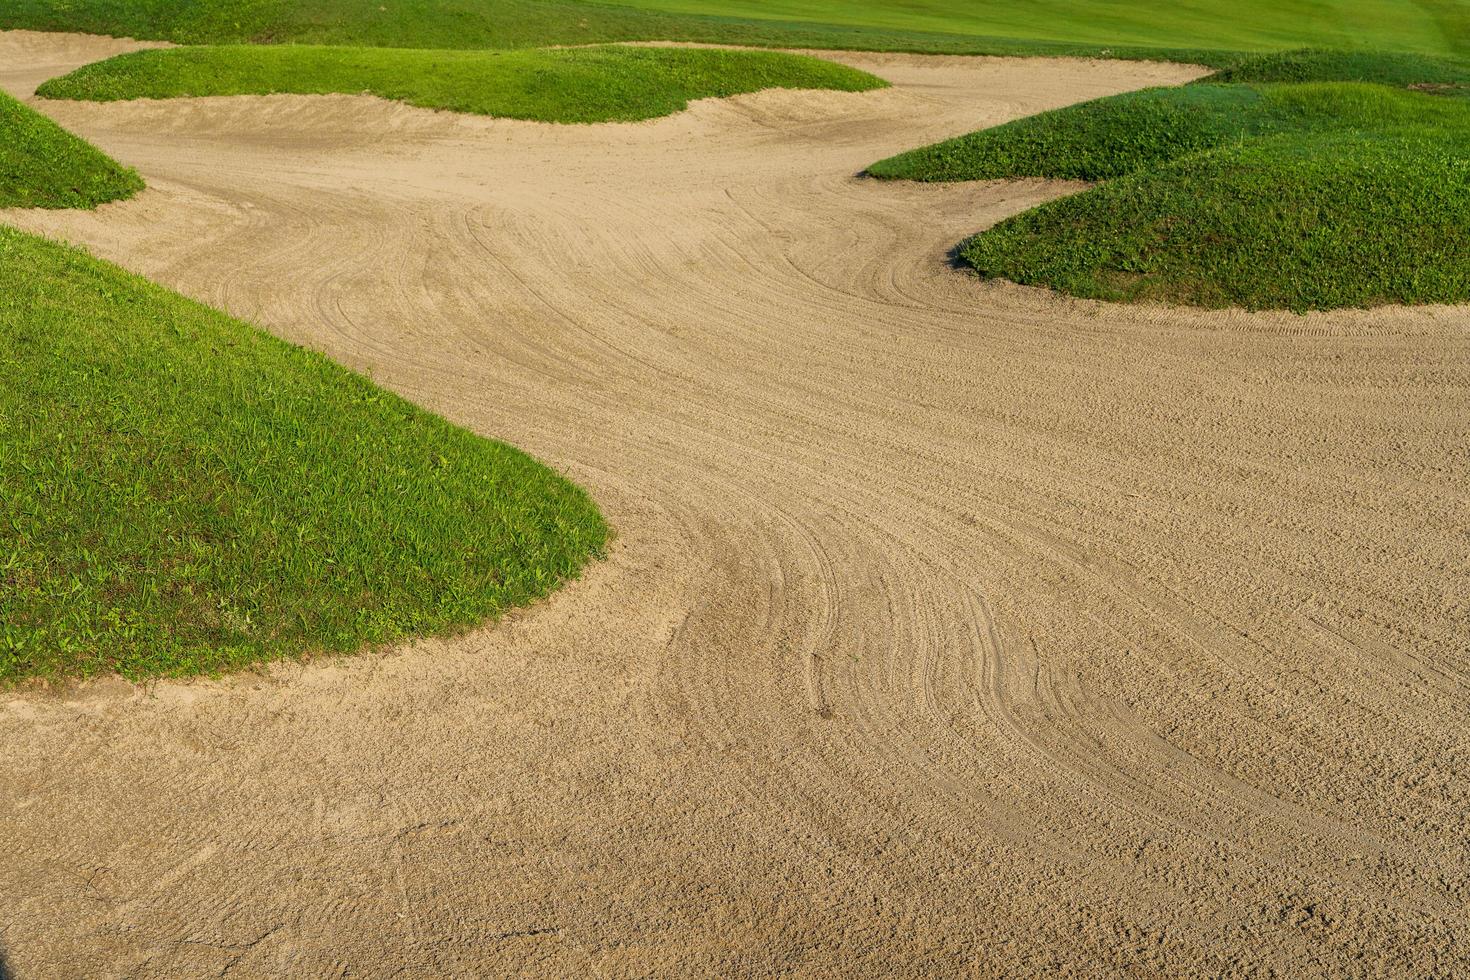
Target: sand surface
951, 628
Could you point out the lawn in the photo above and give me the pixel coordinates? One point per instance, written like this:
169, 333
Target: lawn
182, 493
44, 166
1297, 181
582, 85
1196, 30
1428, 26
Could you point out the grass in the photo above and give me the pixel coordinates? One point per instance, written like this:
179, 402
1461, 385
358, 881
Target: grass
1315, 186
584, 85
1119, 134
1244, 25
1380, 67
181, 493
44, 166
1189, 30
513, 24
1327, 220
1093, 140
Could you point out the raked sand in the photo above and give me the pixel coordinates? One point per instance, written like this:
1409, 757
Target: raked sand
950, 627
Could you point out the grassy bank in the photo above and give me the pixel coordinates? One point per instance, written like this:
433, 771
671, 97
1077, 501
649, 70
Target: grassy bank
1379, 67
1286, 181
1093, 140
1119, 134
1197, 31
1317, 222
555, 85
182, 493
44, 166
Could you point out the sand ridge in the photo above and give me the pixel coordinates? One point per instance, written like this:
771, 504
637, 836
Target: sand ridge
950, 628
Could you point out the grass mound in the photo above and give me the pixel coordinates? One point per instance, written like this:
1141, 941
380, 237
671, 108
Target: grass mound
1325, 220
1090, 141
1120, 134
581, 85
1193, 32
1300, 195
44, 166
182, 493
1383, 68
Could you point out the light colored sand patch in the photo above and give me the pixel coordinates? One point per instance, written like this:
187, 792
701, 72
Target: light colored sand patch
950, 629
28, 58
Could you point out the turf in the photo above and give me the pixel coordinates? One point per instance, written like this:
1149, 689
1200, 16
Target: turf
1325, 220
1274, 194
44, 166
1092, 140
1201, 31
182, 493
1119, 134
502, 24
1315, 65
581, 85
1428, 26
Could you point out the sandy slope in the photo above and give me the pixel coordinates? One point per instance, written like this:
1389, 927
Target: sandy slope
950, 628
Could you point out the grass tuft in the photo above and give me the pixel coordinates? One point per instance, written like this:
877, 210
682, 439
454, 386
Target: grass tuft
581, 85
181, 493
44, 166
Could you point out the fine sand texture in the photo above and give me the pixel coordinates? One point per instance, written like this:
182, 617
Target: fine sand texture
951, 628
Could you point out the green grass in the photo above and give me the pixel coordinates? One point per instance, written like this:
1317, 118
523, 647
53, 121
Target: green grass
1192, 30
1119, 134
182, 493
1093, 140
596, 84
44, 166
1297, 194
1381, 67
1429, 26
1325, 220
510, 24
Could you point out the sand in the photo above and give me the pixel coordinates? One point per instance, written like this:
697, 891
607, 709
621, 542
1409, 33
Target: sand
951, 628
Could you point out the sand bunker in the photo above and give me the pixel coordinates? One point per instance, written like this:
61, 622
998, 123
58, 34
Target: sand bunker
951, 627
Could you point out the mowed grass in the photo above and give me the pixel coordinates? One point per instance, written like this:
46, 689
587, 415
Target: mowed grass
1192, 30
1296, 195
44, 166
181, 493
1429, 26
580, 85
